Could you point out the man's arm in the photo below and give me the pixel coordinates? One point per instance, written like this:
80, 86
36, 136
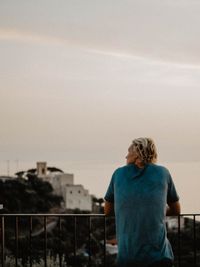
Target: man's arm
108, 208
173, 209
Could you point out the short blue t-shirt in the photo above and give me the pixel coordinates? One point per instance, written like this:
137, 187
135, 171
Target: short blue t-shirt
140, 197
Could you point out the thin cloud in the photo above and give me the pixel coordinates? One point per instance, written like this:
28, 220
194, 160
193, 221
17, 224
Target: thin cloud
147, 59
34, 38
23, 36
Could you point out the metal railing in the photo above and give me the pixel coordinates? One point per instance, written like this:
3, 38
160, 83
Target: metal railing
188, 250
41, 236
13, 230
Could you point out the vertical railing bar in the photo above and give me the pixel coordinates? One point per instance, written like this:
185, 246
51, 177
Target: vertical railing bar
60, 255
45, 241
16, 240
30, 239
104, 248
89, 240
75, 236
194, 237
179, 241
2, 241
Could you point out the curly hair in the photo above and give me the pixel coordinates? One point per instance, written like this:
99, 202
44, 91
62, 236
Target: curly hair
145, 148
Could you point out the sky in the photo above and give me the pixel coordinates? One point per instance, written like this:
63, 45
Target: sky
81, 79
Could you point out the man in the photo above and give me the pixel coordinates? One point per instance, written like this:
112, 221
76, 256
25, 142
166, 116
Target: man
141, 194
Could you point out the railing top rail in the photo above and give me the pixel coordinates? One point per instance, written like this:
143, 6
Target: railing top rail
53, 215
78, 215
190, 214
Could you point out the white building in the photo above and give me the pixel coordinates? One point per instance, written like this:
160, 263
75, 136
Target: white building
6, 178
75, 196
172, 223
59, 181
41, 169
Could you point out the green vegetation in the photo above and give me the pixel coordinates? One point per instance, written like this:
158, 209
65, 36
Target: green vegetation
31, 195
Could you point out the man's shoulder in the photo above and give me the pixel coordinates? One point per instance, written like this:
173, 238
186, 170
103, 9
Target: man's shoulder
160, 169
121, 169
131, 167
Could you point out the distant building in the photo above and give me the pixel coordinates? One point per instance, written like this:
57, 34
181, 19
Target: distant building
172, 223
6, 178
41, 169
59, 181
75, 196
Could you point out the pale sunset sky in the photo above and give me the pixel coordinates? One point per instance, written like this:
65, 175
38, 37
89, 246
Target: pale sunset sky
81, 79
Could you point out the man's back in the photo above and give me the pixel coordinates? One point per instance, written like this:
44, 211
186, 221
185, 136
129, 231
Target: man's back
140, 198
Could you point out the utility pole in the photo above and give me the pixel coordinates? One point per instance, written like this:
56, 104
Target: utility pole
8, 167
17, 165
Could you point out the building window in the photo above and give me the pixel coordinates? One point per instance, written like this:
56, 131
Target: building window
70, 192
79, 191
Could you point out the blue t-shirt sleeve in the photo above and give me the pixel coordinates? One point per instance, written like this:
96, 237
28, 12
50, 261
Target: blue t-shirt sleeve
172, 195
109, 196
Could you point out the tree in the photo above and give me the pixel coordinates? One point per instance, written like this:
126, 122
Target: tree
28, 196
98, 202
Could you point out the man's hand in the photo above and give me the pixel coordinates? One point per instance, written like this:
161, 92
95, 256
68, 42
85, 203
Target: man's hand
108, 208
173, 209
